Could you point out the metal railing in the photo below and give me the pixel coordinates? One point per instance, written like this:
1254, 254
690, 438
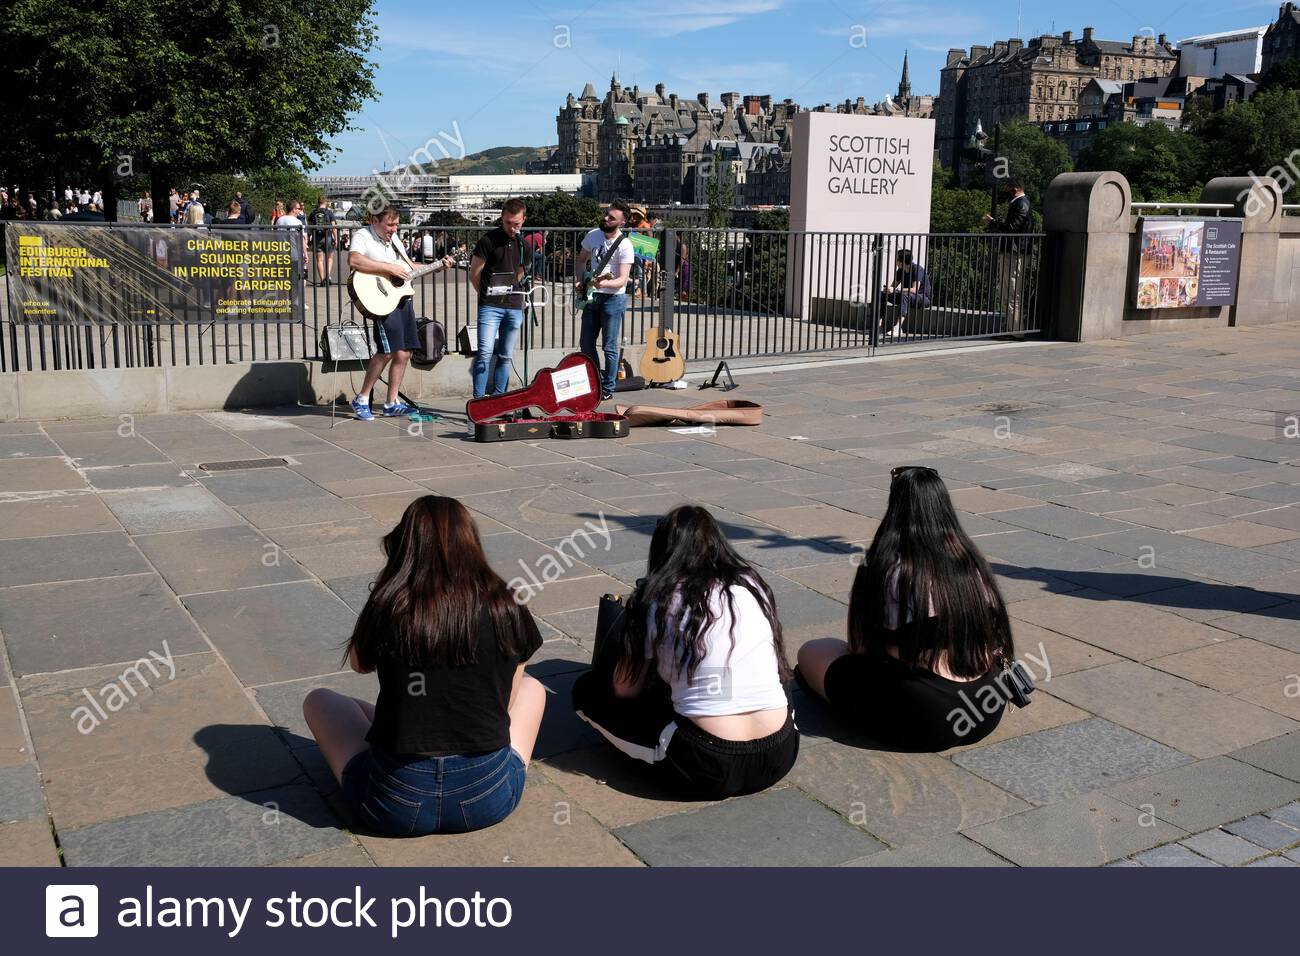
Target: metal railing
1217, 208
729, 293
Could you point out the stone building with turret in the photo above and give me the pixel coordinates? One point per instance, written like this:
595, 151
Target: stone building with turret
1039, 81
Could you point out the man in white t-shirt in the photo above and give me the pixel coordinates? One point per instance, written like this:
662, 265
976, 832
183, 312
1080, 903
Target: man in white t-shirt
375, 250
292, 219
610, 256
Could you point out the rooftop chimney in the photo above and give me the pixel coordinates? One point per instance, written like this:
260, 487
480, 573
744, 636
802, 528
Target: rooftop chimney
1067, 36
1014, 45
978, 51
1087, 34
702, 99
955, 55
659, 90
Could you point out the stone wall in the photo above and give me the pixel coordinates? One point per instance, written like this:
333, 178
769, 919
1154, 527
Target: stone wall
1093, 248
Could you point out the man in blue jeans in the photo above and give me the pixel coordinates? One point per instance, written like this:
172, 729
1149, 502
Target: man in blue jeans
496, 270
611, 256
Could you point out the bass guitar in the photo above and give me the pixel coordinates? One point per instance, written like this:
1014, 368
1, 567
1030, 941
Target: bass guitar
377, 296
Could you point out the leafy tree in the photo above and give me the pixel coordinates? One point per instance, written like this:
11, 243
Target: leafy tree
954, 209
1284, 75
1257, 138
1026, 151
558, 209
189, 87
1160, 164
262, 189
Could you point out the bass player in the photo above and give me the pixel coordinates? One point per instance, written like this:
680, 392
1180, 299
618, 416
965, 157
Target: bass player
375, 250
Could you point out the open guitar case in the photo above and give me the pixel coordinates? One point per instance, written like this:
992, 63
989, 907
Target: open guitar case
566, 396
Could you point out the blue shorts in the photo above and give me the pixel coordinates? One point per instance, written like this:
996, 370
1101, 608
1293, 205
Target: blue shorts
398, 332
410, 795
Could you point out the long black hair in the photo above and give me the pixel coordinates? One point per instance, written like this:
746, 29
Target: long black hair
426, 605
690, 559
921, 556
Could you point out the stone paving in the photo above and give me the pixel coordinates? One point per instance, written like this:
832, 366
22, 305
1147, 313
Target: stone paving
1140, 500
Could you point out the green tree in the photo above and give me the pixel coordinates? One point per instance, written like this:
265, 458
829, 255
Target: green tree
558, 209
1281, 76
1024, 150
261, 188
1259, 137
954, 209
1160, 164
189, 87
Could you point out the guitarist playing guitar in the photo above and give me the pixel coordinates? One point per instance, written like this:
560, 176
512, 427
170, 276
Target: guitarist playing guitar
375, 251
611, 257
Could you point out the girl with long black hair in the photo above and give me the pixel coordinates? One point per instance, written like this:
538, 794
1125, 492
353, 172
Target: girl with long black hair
446, 746
928, 630
698, 691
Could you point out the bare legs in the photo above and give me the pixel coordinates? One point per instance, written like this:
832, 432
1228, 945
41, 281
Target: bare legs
815, 657
375, 367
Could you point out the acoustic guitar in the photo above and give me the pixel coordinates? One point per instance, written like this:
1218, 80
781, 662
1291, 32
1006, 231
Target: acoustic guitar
377, 297
662, 361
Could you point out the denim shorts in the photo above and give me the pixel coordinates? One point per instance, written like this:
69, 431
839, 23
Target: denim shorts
410, 795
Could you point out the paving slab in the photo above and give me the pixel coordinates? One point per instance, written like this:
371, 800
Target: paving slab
1266, 833
13, 741
1207, 793
547, 829
777, 828
257, 486
1087, 830
72, 513
218, 559
1128, 628
1223, 847
1063, 761
1172, 854
53, 627
253, 830
126, 477
27, 843
309, 623
900, 798
180, 509
1157, 705
952, 849
1280, 755
68, 557
20, 794
1234, 666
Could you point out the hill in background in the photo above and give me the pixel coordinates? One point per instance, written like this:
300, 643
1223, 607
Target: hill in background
497, 161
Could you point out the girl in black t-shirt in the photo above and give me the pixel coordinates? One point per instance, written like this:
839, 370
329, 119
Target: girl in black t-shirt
928, 630
446, 746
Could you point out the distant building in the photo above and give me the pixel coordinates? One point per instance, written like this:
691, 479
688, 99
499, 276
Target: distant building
647, 145
1217, 54
1103, 103
1039, 81
1224, 90
1282, 38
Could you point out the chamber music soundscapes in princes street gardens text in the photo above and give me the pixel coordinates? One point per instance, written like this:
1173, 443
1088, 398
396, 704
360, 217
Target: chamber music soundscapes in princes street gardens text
879, 161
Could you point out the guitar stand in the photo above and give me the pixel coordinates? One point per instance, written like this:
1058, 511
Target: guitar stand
726, 386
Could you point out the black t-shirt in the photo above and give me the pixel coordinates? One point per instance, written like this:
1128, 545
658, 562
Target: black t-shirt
450, 710
500, 255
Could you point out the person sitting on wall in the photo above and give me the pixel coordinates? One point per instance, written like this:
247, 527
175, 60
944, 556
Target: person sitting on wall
911, 287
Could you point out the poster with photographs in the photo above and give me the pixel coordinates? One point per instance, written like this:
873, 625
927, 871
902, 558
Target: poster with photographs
1186, 263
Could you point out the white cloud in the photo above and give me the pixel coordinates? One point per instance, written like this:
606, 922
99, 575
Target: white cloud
671, 18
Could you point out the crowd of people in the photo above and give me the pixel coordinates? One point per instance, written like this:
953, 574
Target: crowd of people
698, 685
76, 204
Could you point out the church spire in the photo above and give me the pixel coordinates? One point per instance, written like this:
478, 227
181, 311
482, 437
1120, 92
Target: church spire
904, 85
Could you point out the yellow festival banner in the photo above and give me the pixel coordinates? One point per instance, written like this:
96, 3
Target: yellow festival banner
100, 274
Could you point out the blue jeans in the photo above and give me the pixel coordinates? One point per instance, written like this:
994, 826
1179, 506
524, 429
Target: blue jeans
498, 330
409, 795
604, 315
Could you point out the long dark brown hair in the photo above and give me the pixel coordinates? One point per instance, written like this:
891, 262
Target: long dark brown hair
427, 602
690, 559
921, 545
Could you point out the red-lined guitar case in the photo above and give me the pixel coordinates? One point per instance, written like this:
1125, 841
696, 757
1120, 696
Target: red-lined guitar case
560, 403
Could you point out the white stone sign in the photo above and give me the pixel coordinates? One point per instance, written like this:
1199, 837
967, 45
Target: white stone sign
855, 175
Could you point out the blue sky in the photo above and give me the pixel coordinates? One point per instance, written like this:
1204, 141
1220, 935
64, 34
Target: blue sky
496, 74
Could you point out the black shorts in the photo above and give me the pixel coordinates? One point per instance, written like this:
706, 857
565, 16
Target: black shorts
689, 760
398, 332
912, 709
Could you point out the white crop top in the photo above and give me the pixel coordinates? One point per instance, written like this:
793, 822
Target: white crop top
731, 679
